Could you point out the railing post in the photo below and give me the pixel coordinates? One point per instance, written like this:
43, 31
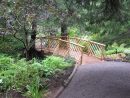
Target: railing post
59, 42
69, 46
103, 56
81, 56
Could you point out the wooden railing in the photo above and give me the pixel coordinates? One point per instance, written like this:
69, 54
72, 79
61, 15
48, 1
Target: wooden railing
73, 46
60, 47
90, 47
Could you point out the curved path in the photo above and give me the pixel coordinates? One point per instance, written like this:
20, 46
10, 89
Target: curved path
100, 80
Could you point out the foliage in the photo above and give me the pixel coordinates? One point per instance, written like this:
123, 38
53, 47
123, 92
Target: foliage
5, 62
85, 49
33, 89
105, 19
23, 75
72, 32
53, 64
109, 31
9, 45
115, 48
70, 60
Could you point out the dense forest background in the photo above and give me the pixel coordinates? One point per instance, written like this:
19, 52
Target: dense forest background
105, 21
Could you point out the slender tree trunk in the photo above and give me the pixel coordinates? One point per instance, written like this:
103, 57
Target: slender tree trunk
32, 51
33, 36
64, 36
64, 33
112, 6
26, 43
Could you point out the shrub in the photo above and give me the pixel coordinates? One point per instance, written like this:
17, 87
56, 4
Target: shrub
70, 60
22, 75
5, 62
6, 78
53, 64
33, 89
115, 48
72, 31
18, 74
85, 44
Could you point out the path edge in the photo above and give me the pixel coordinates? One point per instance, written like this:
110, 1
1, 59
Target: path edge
66, 82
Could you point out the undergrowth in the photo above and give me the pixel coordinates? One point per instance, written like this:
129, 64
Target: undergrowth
28, 77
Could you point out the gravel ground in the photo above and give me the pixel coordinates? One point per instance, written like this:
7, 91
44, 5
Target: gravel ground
100, 80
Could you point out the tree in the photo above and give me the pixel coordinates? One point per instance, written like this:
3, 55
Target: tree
24, 14
64, 14
22, 17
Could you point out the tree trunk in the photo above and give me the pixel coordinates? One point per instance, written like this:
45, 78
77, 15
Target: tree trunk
112, 6
33, 36
26, 42
32, 52
64, 34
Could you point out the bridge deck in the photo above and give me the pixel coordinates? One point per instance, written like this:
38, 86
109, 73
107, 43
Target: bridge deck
86, 58
89, 59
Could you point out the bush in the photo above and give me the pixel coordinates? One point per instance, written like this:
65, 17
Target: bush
20, 75
115, 48
53, 64
5, 62
34, 89
70, 60
16, 74
85, 44
72, 31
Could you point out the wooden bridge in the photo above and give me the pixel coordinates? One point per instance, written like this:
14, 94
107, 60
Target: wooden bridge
81, 49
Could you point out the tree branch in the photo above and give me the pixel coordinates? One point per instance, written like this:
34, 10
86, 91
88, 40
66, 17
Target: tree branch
14, 35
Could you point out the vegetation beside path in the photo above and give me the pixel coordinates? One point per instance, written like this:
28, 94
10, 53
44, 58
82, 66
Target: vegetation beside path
33, 78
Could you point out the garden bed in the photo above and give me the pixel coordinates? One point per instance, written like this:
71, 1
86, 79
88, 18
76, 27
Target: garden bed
115, 57
54, 83
33, 79
57, 81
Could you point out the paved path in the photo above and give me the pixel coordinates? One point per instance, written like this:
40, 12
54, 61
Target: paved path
100, 80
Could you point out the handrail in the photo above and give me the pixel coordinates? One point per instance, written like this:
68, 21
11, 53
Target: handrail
72, 43
73, 38
94, 42
94, 48
88, 41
